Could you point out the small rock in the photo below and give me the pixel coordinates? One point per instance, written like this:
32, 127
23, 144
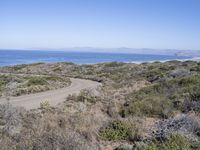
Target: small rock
125, 147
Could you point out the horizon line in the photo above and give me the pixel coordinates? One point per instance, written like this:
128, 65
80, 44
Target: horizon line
98, 48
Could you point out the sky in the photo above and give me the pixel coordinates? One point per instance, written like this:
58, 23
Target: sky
54, 24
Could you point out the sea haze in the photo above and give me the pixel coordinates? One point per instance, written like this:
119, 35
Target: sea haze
14, 57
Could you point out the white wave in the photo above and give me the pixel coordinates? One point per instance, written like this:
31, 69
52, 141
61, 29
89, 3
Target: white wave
187, 59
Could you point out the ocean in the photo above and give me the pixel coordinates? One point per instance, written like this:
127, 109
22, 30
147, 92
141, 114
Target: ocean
14, 57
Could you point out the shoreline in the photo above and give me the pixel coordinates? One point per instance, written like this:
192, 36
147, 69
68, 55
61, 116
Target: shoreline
197, 59
12, 58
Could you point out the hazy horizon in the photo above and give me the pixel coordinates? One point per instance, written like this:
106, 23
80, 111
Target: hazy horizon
90, 47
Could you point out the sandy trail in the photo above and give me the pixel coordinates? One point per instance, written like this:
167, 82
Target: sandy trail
54, 97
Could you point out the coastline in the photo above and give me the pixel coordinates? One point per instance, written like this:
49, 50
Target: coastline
12, 58
196, 59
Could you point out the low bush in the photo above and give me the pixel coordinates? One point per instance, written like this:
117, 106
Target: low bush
57, 69
45, 105
114, 64
11, 118
155, 74
87, 96
36, 81
180, 73
3, 81
19, 67
30, 90
163, 97
116, 130
122, 130
151, 106
174, 142
187, 125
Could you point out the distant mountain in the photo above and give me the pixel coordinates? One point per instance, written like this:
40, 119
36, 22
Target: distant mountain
138, 51
188, 53
150, 51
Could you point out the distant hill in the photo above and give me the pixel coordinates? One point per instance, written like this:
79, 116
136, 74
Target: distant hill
150, 51
139, 51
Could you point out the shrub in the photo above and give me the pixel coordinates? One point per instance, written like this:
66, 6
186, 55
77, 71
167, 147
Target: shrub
11, 118
187, 125
36, 81
87, 96
174, 142
18, 67
35, 84
155, 74
116, 130
180, 73
150, 106
29, 90
160, 98
53, 78
45, 105
122, 130
3, 81
57, 69
68, 63
125, 147
114, 64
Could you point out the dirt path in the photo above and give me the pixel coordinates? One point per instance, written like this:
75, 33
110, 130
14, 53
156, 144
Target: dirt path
54, 97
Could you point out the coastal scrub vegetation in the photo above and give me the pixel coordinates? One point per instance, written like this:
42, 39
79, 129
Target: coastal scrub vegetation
161, 99
122, 130
148, 106
20, 84
3, 81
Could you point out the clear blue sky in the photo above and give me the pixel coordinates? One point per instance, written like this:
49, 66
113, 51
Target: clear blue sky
100, 23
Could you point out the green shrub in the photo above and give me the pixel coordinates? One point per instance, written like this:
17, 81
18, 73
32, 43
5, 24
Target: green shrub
53, 78
57, 69
114, 64
161, 98
130, 129
175, 142
68, 63
87, 96
35, 64
30, 89
3, 81
116, 130
36, 81
155, 74
18, 67
45, 105
151, 106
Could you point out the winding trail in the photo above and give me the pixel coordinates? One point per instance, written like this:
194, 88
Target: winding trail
32, 101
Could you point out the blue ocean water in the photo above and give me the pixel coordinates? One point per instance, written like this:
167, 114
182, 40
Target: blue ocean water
13, 57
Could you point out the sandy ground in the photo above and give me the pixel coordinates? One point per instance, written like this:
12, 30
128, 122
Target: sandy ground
54, 97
